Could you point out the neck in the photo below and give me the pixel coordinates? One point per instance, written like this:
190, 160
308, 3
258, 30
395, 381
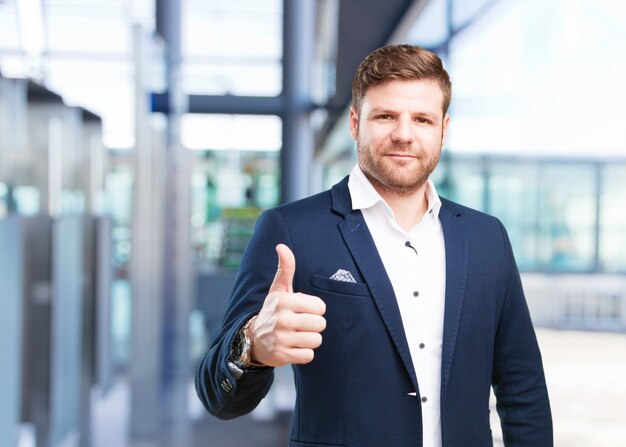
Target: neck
408, 207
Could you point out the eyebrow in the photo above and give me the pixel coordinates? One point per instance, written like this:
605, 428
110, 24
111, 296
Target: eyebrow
384, 111
378, 112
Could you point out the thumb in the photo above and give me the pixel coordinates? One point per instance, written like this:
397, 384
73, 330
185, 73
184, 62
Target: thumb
283, 281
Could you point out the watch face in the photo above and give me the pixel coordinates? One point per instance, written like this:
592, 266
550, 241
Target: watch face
241, 344
240, 353
237, 347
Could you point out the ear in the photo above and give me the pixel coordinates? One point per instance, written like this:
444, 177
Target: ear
444, 130
354, 123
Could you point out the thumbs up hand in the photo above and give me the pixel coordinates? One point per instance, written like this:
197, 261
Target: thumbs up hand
287, 329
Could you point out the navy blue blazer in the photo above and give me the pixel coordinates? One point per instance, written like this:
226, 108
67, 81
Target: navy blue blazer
355, 391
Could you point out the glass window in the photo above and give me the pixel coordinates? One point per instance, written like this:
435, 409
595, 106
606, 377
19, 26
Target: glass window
513, 195
567, 217
9, 31
462, 180
232, 47
613, 219
520, 82
119, 198
229, 189
231, 132
4, 200
104, 88
548, 209
249, 77
72, 33
431, 28
464, 11
338, 169
27, 200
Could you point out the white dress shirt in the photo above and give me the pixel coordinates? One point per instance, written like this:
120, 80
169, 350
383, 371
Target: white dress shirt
415, 264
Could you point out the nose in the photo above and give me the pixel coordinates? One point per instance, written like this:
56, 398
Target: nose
402, 131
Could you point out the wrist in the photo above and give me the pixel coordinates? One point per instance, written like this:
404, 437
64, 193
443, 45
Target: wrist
246, 356
239, 359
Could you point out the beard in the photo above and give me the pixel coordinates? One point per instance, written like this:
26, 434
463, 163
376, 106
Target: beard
398, 177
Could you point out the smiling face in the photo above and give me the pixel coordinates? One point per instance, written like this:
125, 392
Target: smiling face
399, 132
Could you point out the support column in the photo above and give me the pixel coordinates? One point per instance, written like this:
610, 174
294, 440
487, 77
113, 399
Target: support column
298, 138
11, 340
177, 270
146, 262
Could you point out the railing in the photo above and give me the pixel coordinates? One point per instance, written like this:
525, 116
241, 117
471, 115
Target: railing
585, 302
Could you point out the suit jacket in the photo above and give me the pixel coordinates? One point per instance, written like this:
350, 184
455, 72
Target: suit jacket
355, 392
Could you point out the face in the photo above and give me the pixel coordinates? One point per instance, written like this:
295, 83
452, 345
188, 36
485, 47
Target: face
399, 133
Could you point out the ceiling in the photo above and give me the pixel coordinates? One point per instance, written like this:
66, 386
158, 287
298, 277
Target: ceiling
102, 55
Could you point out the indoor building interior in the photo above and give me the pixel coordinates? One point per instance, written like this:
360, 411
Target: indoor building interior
141, 139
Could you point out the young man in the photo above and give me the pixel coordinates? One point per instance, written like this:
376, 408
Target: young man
398, 310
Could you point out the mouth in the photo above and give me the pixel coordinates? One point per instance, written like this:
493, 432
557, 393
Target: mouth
401, 156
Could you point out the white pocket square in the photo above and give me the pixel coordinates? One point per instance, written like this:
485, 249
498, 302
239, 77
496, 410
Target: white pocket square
343, 275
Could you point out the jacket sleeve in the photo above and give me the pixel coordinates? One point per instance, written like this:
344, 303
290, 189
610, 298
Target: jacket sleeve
518, 378
221, 393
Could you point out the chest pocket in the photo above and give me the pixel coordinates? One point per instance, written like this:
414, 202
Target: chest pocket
341, 287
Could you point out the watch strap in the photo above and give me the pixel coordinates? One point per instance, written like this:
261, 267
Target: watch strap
239, 360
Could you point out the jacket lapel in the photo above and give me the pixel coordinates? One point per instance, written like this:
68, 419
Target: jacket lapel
457, 249
363, 249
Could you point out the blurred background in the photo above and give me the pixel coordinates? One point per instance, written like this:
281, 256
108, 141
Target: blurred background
140, 140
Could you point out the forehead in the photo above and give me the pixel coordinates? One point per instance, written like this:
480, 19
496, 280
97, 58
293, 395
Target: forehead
404, 94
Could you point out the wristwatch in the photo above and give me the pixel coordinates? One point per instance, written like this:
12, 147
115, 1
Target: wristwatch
239, 360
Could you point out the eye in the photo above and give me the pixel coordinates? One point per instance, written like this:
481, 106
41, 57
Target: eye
383, 116
422, 120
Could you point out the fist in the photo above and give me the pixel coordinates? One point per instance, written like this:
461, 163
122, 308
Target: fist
289, 326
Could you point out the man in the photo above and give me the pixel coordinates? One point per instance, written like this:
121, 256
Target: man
397, 309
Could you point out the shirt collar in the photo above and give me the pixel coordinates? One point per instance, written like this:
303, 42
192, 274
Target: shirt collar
364, 195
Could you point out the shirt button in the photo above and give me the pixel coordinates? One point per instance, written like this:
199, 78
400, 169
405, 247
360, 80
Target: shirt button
422, 345
424, 399
416, 293
408, 244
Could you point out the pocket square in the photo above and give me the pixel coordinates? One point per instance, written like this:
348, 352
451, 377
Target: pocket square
343, 275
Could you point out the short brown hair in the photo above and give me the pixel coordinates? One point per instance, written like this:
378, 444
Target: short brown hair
400, 62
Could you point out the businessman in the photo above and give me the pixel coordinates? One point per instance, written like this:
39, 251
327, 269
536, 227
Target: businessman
399, 310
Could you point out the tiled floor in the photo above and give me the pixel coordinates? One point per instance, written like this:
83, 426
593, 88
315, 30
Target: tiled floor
243, 432
586, 375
